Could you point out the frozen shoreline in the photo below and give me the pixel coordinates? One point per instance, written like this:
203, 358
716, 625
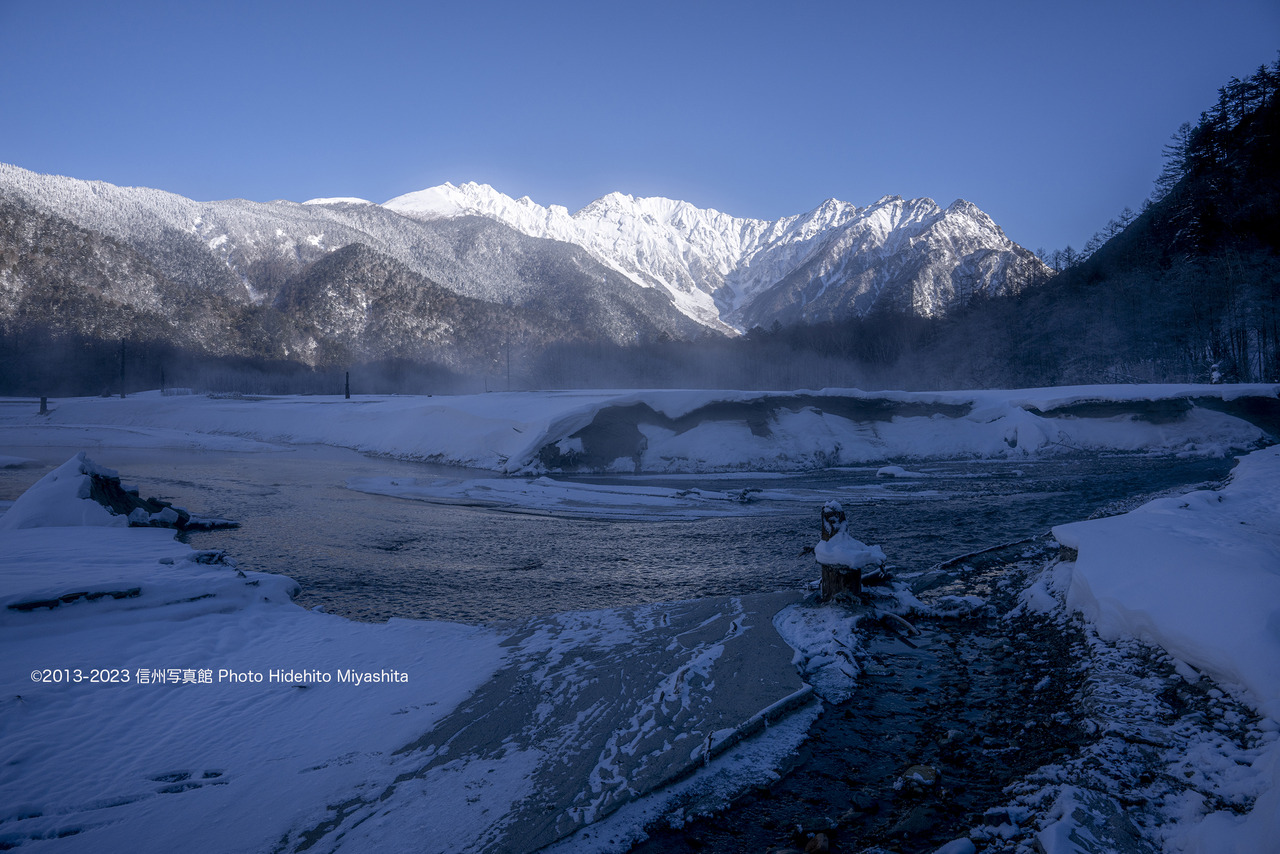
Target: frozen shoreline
676, 431
1198, 575
191, 690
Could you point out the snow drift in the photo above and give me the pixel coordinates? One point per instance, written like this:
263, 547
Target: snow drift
1199, 575
700, 431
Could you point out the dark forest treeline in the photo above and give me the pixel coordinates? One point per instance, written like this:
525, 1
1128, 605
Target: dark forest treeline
76, 366
1194, 281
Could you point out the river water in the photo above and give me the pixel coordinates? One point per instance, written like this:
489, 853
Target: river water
372, 557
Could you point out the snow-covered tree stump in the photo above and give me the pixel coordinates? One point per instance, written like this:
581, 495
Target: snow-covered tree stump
841, 557
837, 579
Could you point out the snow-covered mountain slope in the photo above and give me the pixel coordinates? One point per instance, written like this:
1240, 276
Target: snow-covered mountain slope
247, 252
833, 261
906, 255
650, 265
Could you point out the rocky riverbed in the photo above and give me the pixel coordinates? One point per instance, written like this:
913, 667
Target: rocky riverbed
984, 732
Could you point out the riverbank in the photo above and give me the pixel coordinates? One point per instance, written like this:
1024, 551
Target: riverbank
680, 431
1117, 695
152, 691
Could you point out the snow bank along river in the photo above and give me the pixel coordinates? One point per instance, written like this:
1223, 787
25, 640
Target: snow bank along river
582, 725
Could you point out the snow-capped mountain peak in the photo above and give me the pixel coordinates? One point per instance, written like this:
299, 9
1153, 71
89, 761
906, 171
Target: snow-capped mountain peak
715, 266
448, 200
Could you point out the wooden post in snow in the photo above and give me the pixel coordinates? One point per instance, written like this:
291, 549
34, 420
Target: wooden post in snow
837, 579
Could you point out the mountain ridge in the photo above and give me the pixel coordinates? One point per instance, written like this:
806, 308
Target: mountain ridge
623, 269
716, 265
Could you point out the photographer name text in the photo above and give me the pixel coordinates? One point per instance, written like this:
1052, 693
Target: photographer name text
209, 676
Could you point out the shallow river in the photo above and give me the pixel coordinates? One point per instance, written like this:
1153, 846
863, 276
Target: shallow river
372, 557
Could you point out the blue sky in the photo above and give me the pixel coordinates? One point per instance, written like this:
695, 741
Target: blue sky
1050, 117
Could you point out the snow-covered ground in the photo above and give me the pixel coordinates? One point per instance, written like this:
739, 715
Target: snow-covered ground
669, 431
157, 698
140, 709
1198, 575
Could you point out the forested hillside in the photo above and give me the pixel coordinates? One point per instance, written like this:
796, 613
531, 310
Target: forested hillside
1194, 281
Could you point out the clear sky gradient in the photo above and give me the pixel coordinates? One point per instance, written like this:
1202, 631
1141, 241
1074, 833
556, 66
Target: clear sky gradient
1049, 116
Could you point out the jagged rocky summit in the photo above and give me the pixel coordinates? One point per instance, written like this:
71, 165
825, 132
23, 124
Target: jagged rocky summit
837, 260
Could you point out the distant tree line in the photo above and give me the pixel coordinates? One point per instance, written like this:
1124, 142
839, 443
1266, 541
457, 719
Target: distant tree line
41, 365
